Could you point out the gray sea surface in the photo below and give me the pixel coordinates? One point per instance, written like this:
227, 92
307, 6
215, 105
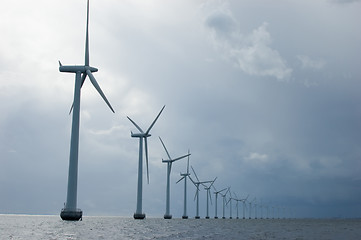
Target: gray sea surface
52, 227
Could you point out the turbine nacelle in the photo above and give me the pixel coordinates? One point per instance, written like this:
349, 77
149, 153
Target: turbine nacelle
139, 135
76, 68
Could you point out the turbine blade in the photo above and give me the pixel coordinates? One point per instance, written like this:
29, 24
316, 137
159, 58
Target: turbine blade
87, 37
188, 162
165, 148
95, 84
60, 63
179, 158
210, 196
180, 180
146, 156
192, 181
213, 182
195, 174
140, 130
150, 127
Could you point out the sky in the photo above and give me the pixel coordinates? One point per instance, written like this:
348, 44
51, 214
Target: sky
266, 96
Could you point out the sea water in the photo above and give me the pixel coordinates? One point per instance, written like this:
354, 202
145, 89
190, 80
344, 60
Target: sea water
52, 227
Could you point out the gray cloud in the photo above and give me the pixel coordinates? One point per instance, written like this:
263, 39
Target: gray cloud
252, 52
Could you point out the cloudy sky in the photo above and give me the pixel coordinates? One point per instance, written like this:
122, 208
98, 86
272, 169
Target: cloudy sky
265, 95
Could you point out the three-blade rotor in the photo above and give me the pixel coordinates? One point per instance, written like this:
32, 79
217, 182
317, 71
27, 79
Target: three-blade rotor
86, 70
144, 135
171, 160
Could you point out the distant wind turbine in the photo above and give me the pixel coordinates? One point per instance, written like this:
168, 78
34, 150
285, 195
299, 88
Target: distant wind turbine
224, 202
250, 208
230, 203
142, 136
208, 195
169, 162
244, 206
237, 202
70, 210
196, 196
216, 193
185, 176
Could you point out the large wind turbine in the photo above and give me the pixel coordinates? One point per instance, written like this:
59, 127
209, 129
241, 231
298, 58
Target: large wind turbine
184, 176
208, 195
142, 136
169, 162
197, 191
224, 202
70, 210
216, 193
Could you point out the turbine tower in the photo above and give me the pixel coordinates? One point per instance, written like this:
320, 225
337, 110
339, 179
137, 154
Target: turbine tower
197, 191
184, 176
142, 136
169, 162
208, 195
216, 193
70, 210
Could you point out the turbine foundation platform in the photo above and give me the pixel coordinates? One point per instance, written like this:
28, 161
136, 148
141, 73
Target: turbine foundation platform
139, 215
215, 217
197, 217
166, 216
223, 217
184, 217
207, 217
71, 215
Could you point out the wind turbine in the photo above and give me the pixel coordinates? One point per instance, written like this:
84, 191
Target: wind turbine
197, 191
216, 193
230, 203
237, 202
169, 162
208, 195
244, 206
224, 202
255, 209
142, 136
70, 210
184, 176
250, 208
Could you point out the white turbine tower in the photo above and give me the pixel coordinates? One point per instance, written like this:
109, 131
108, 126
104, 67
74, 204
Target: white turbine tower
70, 210
208, 196
142, 136
224, 202
196, 196
169, 162
216, 193
184, 176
